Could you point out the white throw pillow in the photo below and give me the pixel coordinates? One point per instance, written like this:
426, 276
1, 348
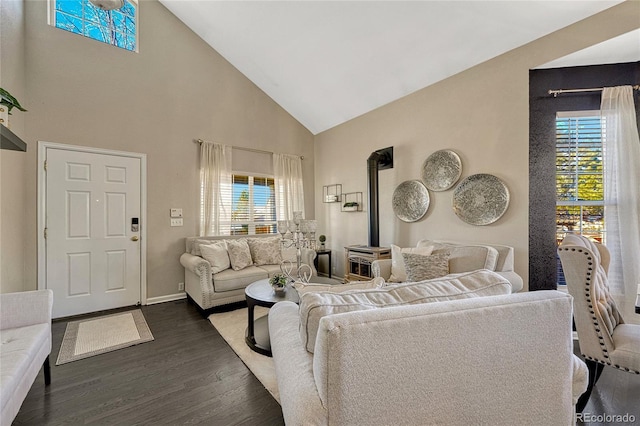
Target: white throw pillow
398, 271
239, 253
265, 251
216, 255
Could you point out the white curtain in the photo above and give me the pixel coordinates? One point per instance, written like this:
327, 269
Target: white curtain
622, 196
215, 188
287, 170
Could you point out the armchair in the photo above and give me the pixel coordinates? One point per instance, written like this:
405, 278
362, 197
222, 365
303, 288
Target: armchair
605, 339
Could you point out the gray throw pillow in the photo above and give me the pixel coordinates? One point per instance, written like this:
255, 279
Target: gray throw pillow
420, 268
239, 253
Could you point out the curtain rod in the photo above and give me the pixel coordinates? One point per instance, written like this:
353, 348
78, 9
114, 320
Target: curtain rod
260, 151
556, 92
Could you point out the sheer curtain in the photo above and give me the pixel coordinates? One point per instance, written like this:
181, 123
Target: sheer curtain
215, 188
287, 170
622, 196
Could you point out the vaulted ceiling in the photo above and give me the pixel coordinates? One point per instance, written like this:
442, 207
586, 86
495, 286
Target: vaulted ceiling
326, 62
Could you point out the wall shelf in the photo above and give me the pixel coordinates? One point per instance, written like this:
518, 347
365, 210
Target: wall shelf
352, 197
9, 140
332, 193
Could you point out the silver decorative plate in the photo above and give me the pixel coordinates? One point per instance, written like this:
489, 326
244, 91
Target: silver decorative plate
410, 200
441, 170
480, 199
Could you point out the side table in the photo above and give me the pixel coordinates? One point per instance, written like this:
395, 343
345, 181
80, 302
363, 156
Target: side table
319, 253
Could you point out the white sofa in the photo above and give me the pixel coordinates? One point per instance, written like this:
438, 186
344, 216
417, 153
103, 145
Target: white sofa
465, 257
472, 361
25, 334
208, 289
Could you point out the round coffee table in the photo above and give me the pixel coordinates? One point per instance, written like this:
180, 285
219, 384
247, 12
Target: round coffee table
260, 293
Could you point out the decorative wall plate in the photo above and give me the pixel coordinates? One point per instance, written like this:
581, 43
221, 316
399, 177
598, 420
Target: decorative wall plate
441, 170
480, 199
410, 200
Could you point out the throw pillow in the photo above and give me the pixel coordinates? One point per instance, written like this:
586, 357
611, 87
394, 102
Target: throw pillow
265, 251
195, 245
398, 271
303, 288
420, 268
239, 253
316, 305
217, 256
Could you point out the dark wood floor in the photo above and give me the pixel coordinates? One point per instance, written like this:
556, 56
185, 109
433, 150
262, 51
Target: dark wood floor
189, 375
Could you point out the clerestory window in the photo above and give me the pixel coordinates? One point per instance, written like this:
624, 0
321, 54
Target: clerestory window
118, 27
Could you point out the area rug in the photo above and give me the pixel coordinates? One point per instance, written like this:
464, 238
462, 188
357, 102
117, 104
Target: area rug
231, 326
95, 336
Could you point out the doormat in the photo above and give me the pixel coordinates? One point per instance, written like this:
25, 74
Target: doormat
95, 336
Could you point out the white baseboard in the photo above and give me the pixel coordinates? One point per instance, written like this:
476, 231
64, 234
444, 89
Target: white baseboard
167, 298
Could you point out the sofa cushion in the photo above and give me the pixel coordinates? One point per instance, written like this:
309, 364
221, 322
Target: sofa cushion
22, 350
265, 251
465, 258
316, 305
229, 279
398, 270
303, 288
239, 253
217, 256
421, 268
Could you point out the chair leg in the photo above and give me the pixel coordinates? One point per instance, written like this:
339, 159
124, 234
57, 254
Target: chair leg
595, 369
47, 372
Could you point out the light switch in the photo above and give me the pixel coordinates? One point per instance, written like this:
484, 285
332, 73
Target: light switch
176, 212
176, 221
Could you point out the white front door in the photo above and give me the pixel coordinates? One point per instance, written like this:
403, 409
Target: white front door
92, 250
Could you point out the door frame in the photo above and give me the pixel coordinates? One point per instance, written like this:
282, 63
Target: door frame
42, 207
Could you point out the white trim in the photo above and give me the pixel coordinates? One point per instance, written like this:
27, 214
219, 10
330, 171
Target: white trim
41, 207
167, 298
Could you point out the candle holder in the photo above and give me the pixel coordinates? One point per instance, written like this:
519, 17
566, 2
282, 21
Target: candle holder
302, 235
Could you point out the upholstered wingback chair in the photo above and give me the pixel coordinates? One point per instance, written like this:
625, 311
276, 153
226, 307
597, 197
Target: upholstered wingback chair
604, 337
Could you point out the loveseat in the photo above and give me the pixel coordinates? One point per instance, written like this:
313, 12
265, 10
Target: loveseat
476, 360
25, 335
462, 257
216, 282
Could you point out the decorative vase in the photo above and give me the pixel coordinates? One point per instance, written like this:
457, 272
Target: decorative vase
279, 290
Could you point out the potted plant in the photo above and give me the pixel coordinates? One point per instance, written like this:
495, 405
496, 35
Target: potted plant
279, 283
322, 239
7, 103
351, 206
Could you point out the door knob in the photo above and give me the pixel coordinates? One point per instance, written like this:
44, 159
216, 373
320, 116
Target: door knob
134, 238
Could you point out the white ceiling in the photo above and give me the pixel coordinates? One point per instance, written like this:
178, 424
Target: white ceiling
326, 62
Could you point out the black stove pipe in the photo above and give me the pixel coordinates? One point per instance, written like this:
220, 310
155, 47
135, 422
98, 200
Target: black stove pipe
374, 212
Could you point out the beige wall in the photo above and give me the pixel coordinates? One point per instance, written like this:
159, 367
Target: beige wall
482, 114
12, 163
177, 89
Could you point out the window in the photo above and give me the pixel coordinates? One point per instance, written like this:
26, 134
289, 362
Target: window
116, 27
579, 177
253, 208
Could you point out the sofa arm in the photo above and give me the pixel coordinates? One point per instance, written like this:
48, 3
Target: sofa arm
196, 264
25, 308
580, 379
381, 268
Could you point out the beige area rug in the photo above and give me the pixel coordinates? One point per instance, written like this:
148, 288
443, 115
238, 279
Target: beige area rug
232, 326
95, 336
